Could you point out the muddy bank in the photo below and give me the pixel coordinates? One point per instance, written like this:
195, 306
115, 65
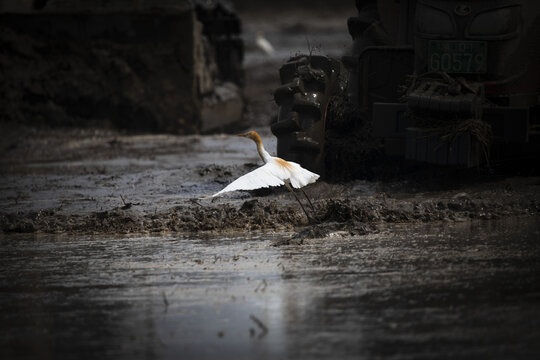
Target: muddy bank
104, 182
334, 216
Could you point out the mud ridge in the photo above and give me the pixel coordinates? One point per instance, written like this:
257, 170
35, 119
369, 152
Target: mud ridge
355, 216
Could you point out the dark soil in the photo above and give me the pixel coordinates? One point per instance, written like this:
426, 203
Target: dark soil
354, 215
87, 181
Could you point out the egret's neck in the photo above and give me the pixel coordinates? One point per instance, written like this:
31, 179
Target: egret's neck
265, 156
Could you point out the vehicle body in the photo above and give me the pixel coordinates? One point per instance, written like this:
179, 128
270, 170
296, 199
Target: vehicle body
472, 60
447, 82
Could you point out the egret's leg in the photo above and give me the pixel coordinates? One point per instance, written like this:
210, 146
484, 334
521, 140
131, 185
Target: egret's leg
309, 201
297, 199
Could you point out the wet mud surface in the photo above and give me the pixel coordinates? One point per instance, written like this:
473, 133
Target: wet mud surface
111, 183
465, 290
107, 253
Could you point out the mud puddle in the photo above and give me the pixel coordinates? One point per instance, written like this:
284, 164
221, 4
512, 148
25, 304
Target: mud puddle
463, 290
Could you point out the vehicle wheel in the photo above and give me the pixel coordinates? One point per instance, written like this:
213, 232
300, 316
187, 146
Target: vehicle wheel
308, 84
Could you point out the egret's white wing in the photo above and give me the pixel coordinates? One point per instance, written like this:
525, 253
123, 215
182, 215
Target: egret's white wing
300, 177
262, 177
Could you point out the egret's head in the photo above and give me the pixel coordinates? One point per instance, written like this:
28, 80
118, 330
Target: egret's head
252, 135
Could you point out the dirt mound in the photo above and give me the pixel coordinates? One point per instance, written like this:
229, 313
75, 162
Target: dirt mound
352, 216
158, 68
83, 83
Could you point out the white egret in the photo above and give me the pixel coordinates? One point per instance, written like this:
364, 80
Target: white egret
274, 172
263, 44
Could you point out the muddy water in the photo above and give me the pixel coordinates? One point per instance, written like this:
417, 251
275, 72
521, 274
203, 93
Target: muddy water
463, 290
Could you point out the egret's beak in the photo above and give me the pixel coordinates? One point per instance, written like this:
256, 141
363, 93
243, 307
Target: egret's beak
242, 135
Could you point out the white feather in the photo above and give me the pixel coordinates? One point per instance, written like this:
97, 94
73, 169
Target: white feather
272, 174
301, 177
262, 177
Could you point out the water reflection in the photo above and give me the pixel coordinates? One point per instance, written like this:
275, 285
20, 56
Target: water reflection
464, 289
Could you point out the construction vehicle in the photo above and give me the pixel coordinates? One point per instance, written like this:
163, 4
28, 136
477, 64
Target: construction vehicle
445, 82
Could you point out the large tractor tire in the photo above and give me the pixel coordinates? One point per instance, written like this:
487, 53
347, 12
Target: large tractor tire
308, 84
